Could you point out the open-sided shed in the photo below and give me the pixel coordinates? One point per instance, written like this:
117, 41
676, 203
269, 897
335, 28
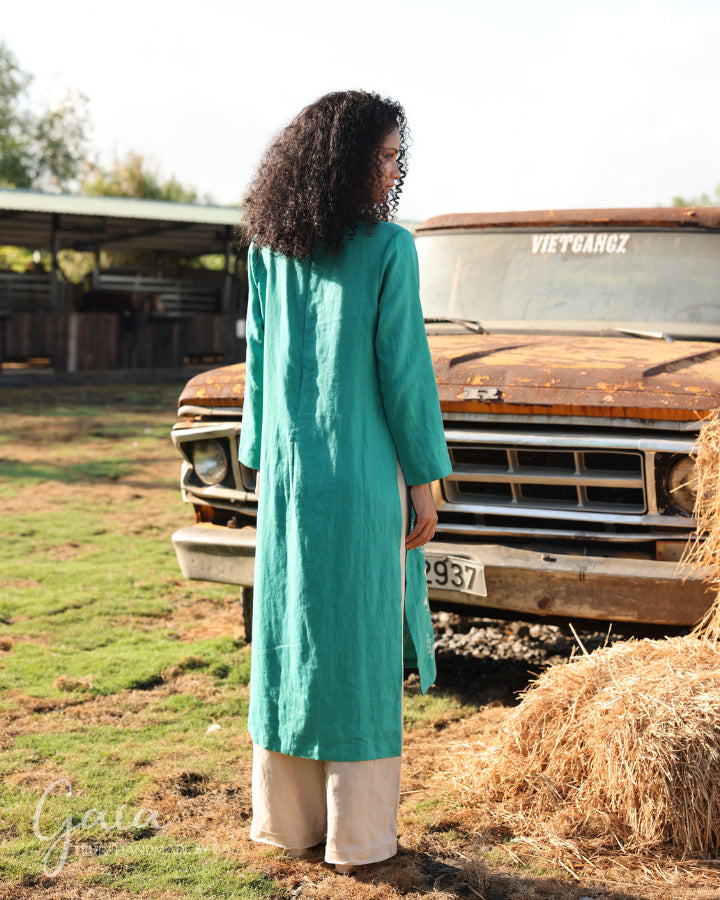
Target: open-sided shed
136, 315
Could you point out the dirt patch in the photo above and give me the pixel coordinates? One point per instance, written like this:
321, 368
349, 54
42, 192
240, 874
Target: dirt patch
195, 619
73, 710
38, 778
59, 714
102, 497
44, 496
35, 432
192, 807
202, 619
22, 584
66, 683
66, 552
66, 886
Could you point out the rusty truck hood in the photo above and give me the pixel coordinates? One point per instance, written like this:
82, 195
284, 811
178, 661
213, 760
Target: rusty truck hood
218, 387
606, 377
579, 376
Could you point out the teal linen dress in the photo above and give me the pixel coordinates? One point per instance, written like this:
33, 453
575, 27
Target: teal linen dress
339, 386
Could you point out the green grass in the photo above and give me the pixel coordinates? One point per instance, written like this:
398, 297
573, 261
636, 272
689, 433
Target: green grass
157, 864
98, 679
114, 660
197, 870
89, 588
431, 707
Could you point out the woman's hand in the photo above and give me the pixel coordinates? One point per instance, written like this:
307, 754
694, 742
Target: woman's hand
425, 516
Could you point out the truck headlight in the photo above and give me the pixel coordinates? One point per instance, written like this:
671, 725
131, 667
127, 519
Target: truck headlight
682, 485
209, 461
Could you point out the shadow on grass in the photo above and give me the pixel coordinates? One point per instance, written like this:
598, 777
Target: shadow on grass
471, 880
91, 400
470, 876
94, 470
478, 681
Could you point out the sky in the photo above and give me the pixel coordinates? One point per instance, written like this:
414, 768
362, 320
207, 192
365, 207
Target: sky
512, 105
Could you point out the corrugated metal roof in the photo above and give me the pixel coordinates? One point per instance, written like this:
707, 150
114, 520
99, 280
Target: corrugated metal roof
115, 223
123, 207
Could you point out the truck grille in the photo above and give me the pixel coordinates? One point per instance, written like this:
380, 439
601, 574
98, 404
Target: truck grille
587, 484
557, 479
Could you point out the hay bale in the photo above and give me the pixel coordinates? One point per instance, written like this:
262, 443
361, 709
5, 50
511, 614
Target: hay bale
621, 747
618, 747
704, 552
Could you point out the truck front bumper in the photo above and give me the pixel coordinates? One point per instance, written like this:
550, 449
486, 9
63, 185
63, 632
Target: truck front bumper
520, 582
215, 553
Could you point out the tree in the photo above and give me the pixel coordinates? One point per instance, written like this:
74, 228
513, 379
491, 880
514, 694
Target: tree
134, 176
704, 199
38, 149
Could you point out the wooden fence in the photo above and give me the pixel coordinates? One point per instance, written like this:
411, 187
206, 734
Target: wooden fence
31, 290
204, 292
185, 294
78, 341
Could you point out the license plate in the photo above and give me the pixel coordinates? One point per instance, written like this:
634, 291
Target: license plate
453, 573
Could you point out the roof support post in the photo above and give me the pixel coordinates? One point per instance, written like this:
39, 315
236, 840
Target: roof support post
96, 267
55, 285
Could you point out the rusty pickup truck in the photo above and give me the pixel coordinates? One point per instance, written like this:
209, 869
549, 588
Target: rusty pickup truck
576, 354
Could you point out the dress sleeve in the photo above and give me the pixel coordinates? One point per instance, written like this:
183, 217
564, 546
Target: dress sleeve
251, 431
407, 380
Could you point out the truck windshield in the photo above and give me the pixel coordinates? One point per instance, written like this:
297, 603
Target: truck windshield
591, 280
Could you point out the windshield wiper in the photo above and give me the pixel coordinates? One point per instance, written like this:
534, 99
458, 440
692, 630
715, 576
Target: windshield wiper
470, 324
652, 335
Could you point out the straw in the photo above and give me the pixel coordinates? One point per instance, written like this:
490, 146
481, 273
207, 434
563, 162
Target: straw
620, 748
703, 553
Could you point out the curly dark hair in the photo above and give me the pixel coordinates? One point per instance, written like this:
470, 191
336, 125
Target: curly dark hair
319, 177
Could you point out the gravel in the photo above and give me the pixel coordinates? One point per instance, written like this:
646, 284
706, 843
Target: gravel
486, 660
534, 643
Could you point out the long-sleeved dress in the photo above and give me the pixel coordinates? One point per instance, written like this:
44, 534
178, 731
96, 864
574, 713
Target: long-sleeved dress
339, 387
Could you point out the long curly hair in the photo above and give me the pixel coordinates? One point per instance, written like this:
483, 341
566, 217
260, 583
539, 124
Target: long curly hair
319, 178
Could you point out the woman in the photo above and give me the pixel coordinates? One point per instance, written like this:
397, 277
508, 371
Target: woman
340, 412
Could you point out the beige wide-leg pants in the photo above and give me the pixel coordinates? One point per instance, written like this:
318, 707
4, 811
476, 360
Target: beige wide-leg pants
297, 803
